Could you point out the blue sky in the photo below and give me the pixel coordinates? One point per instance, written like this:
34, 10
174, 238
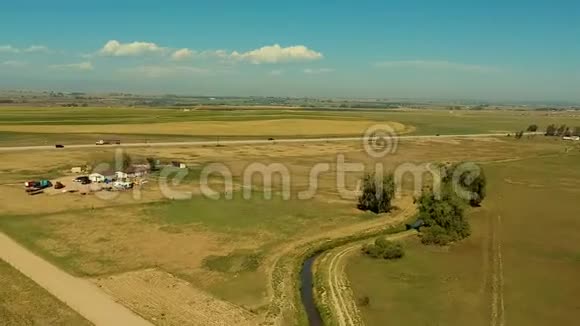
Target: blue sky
497, 50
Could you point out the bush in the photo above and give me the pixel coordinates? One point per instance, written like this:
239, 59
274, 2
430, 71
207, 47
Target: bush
364, 301
383, 248
435, 235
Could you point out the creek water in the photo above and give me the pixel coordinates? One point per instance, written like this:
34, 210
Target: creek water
307, 293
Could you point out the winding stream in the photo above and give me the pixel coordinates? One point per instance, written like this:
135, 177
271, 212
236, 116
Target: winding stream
307, 292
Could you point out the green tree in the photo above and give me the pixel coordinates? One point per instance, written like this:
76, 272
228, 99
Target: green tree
519, 134
475, 182
532, 128
551, 130
561, 130
377, 194
126, 161
445, 212
152, 163
469, 177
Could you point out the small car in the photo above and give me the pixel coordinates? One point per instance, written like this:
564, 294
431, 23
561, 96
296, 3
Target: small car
59, 146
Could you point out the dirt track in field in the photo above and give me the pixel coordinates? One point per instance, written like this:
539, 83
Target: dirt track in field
80, 295
497, 291
339, 297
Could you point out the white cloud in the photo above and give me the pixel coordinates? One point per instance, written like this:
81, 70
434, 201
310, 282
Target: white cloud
117, 49
14, 63
158, 71
30, 49
8, 49
84, 66
318, 71
276, 54
434, 64
36, 48
182, 54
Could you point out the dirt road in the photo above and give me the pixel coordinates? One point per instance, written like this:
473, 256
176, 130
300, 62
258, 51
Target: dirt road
340, 299
81, 295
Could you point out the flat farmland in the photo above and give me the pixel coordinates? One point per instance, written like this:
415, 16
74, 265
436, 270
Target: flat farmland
225, 249
47, 125
518, 267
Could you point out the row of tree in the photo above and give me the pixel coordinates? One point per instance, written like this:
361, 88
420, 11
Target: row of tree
552, 130
562, 130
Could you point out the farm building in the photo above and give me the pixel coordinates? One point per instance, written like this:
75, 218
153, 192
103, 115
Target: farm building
178, 164
120, 175
573, 138
76, 169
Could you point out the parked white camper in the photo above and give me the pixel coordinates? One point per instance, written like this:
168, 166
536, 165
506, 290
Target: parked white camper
96, 177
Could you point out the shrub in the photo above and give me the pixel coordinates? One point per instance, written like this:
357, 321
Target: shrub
435, 235
382, 248
364, 301
393, 251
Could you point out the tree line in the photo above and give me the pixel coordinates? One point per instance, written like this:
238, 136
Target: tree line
562, 130
551, 130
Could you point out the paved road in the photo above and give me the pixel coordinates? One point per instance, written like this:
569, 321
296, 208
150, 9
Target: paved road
244, 142
81, 295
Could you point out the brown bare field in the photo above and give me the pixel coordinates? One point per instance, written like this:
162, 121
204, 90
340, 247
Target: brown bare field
23, 302
282, 127
167, 300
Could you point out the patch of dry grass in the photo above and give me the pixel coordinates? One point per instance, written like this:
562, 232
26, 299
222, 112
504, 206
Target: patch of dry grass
23, 302
282, 127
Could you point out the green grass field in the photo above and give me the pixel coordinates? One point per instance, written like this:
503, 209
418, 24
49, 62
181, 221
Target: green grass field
537, 200
275, 215
23, 302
